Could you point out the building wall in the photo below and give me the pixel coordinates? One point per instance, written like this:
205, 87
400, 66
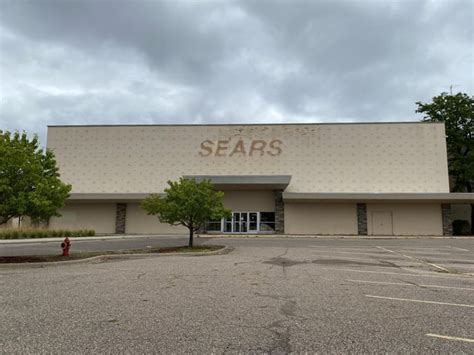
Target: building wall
321, 218
138, 222
252, 201
404, 219
402, 157
97, 216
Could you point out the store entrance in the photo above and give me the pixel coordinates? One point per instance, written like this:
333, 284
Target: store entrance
242, 222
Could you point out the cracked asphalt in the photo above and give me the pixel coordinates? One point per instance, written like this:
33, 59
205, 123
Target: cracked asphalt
267, 296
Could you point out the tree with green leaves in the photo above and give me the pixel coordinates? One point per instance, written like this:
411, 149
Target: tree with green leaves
187, 203
30, 184
457, 113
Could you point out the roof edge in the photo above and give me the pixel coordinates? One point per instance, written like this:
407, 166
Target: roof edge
247, 124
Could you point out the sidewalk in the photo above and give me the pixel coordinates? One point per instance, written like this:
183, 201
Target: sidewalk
300, 236
229, 236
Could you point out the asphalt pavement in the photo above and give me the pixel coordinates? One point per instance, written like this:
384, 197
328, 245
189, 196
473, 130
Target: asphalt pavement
39, 247
267, 296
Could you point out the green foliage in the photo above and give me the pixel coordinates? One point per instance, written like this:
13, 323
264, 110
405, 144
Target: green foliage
187, 203
457, 113
461, 227
43, 233
29, 179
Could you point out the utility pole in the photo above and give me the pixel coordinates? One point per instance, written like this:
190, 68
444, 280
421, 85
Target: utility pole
451, 89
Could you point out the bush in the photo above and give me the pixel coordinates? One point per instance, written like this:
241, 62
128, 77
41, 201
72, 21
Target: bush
44, 233
461, 227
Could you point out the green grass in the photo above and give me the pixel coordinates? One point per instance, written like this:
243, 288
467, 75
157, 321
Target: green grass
85, 255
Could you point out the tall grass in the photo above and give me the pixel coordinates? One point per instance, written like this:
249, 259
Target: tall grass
44, 233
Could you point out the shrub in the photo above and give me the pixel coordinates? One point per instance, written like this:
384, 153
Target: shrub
461, 227
43, 233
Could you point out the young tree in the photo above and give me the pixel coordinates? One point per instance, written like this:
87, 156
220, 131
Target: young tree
187, 203
457, 113
29, 179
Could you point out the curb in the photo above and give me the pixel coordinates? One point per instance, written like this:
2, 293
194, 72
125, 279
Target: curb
228, 236
103, 258
296, 236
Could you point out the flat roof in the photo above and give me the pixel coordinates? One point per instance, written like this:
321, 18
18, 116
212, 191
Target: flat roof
108, 197
439, 197
297, 197
245, 124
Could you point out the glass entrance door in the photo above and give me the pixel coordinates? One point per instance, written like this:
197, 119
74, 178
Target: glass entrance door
244, 222
240, 222
253, 222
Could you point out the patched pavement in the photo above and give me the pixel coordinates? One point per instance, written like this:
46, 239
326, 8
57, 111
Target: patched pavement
267, 296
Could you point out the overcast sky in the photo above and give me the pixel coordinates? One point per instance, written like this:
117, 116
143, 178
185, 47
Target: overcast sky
105, 62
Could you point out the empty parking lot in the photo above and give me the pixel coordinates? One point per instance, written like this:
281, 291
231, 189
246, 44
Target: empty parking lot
267, 296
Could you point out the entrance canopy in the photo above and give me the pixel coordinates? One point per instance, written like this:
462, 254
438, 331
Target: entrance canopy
245, 182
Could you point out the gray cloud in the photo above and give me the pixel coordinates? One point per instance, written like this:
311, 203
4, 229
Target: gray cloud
78, 62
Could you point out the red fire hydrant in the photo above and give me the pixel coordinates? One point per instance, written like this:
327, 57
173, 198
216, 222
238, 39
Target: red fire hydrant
65, 245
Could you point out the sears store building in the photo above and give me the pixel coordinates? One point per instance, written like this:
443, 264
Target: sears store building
298, 179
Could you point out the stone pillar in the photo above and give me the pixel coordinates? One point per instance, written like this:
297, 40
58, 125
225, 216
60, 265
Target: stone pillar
362, 219
120, 216
446, 216
279, 212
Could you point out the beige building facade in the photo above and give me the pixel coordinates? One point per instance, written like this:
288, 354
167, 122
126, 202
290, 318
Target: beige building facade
317, 179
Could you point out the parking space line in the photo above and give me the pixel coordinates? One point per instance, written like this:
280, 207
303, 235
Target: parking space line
458, 248
408, 284
450, 337
416, 259
421, 301
346, 252
446, 276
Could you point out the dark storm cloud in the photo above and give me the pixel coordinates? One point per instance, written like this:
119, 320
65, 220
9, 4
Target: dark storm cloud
238, 61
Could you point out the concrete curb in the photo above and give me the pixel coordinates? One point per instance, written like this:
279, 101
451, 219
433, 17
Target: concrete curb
355, 237
103, 258
210, 236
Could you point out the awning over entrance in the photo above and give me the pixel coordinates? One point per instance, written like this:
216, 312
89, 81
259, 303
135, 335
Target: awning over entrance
245, 182
308, 197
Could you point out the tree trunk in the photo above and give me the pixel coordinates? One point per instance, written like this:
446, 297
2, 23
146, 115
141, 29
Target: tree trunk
191, 235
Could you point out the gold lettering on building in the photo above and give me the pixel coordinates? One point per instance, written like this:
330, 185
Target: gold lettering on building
255, 147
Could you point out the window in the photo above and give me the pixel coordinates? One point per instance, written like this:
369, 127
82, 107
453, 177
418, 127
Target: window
213, 226
267, 221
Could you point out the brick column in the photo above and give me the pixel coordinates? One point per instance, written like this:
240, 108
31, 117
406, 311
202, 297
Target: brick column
446, 216
279, 212
362, 219
120, 216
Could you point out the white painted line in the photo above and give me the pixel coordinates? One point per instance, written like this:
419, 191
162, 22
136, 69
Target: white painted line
450, 338
390, 251
346, 252
446, 276
421, 301
408, 284
416, 259
458, 248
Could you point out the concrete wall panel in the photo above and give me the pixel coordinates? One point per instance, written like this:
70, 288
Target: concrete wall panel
258, 201
407, 219
138, 222
97, 216
324, 219
403, 157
